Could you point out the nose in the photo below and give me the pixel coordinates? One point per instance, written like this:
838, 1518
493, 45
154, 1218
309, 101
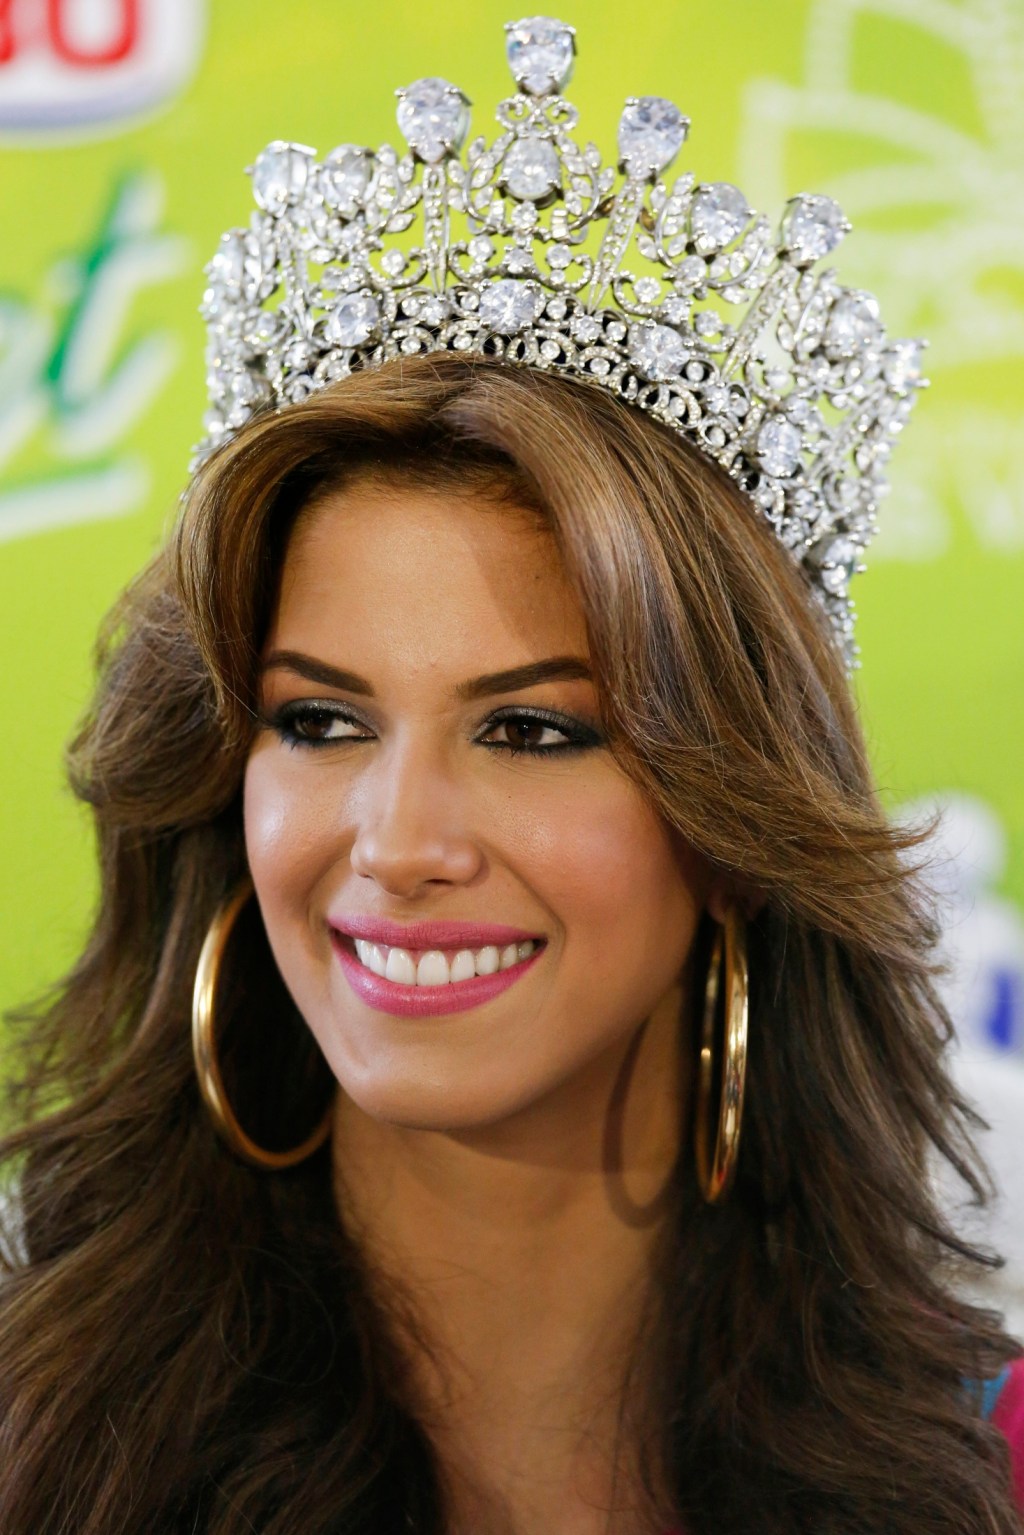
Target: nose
413, 822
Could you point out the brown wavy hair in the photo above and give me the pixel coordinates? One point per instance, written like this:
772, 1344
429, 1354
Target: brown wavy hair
190, 1345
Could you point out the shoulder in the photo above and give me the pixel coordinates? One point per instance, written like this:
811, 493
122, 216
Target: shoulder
1004, 1404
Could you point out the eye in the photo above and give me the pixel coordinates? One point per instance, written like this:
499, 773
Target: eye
524, 734
307, 722
318, 722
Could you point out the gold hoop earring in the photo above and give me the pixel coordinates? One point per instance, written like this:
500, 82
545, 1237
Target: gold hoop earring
204, 1047
717, 1154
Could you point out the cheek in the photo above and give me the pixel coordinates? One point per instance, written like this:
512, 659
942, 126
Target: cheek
284, 834
628, 893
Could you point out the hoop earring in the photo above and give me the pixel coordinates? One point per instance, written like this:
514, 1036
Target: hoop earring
204, 1047
717, 1152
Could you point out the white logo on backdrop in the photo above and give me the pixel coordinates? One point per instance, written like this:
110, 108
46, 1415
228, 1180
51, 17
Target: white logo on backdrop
70, 68
937, 200
983, 932
69, 390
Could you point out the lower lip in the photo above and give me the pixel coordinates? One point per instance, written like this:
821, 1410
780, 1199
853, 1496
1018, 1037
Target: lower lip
426, 1001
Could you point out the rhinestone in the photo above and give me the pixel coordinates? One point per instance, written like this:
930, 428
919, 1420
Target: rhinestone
433, 116
694, 372
600, 366
559, 257
801, 412
481, 248
215, 305
651, 134
350, 237
345, 177
433, 310
813, 226
519, 261
648, 290
901, 363
299, 356
352, 321
393, 263
853, 325
842, 555
778, 447
228, 264
557, 308
715, 436
540, 53
776, 379
692, 271
719, 213
657, 349
508, 306
267, 329
707, 323
280, 174
524, 217
716, 398
246, 389
531, 168
585, 329
550, 350
675, 309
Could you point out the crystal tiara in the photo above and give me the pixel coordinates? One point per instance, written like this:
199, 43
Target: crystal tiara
719, 328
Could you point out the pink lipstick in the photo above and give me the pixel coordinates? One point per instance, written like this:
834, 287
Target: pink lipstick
430, 1001
429, 935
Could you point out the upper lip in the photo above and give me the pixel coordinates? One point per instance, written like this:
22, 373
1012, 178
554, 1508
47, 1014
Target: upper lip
429, 935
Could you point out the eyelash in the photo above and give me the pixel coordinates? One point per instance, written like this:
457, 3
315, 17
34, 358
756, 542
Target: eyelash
286, 720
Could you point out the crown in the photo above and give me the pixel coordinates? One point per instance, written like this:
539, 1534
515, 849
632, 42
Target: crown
722, 329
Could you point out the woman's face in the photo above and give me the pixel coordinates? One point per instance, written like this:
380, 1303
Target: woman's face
399, 799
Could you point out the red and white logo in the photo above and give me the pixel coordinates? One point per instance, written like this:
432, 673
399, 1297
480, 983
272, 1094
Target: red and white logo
70, 68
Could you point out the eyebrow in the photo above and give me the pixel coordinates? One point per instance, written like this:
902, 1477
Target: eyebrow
554, 669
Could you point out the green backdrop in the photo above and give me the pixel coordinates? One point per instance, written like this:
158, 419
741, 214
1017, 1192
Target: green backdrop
908, 111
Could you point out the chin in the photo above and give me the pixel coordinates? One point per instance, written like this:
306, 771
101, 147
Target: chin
417, 1101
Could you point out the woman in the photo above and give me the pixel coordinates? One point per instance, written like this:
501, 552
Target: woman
458, 1233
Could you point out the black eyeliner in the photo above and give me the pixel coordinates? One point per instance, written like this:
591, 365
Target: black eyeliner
579, 735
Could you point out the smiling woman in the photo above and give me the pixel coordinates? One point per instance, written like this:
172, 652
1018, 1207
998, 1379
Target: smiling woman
479, 744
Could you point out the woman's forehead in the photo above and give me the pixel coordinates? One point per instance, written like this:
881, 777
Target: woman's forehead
428, 573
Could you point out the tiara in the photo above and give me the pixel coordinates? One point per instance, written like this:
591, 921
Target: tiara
720, 328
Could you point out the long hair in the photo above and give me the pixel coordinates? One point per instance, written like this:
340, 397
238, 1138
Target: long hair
188, 1344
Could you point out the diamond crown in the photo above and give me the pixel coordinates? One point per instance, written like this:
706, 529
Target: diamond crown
777, 372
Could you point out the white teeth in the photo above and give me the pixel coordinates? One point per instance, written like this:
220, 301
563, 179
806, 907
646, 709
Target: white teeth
372, 956
433, 969
463, 966
487, 960
400, 967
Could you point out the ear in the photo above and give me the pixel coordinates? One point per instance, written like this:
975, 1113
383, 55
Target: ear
726, 891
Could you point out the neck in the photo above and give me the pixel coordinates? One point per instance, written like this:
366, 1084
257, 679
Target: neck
521, 1252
